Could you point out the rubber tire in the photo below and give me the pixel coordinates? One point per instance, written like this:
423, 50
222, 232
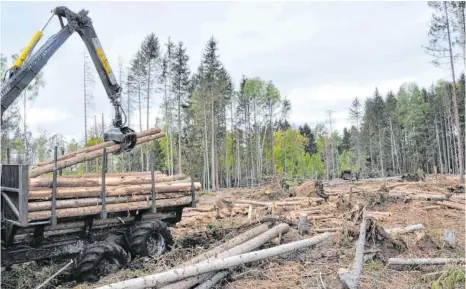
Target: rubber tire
93, 255
141, 233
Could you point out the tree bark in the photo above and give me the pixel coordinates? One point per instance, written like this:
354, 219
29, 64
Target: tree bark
425, 261
216, 264
212, 136
66, 193
111, 208
213, 280
236, 241
407, 229
246, 247
86, 202
110, 181
87, 156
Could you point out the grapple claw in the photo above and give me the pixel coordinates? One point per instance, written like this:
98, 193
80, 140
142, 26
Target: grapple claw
124, 136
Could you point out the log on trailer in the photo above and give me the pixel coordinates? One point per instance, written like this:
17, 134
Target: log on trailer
86, 202
37, 171
114, 174
100, 146
67, 193
111, 208
97, 181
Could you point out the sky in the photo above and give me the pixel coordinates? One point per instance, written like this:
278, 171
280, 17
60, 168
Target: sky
320, 55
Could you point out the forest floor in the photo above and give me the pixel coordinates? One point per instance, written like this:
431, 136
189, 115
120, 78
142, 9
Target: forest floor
317, 267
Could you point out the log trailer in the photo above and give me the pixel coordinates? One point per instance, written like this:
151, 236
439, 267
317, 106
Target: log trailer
94, 242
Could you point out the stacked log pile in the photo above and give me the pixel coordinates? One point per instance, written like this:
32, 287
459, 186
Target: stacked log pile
81, 195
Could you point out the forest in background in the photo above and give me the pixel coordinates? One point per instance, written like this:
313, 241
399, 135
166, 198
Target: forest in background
238, 136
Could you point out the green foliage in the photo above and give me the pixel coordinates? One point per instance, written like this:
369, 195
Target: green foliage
451, 279
345, 162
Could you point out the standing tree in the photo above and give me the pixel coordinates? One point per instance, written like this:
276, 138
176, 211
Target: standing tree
180, 87
440, 47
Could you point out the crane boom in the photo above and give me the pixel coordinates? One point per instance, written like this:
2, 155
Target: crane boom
26, 68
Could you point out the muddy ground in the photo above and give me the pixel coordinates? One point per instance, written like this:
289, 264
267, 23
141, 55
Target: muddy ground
308, 268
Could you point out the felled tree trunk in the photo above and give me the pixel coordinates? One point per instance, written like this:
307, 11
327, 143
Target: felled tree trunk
213, 280
79, 158
405, 229
238, 240
115, 174
351, 279
100, 146
85, 202
109, 181
214, 265
452, 205
66, 193
121, 207
248, 246
425, 261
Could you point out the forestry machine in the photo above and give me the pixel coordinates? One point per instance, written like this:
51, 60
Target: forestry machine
23, 71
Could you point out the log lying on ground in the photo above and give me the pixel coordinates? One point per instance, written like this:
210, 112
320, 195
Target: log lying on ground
211, 282
120, 207
214, 265
246, 247
109, 181
351, 279
100, 146
37, 171
425, 261
406, 229
238, 240
398, 194
66, 193
452, 205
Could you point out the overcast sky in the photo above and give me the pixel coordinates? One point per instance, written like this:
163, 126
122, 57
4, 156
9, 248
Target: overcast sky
320, 55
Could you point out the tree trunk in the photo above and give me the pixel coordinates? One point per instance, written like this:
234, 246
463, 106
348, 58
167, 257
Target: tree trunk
437, 138
242, 248
406, 229
212, 137
370, 149
351, 279
66, 193
381, 154
90, 202
100, 146
179, 133
87, 156
206, 150
236, 241
455, 104
109, 181
213, 280
392, 146
119, 207
214, 265
425, 261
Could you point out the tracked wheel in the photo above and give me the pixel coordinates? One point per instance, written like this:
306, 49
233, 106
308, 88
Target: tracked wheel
150, 239
100, 259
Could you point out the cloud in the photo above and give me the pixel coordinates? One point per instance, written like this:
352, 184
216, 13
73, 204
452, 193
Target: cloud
319, 54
